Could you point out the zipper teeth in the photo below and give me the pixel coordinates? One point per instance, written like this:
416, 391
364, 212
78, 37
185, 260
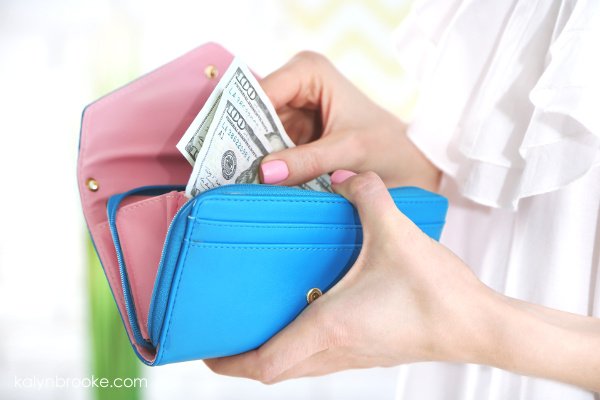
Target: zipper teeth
132, 321
160, 264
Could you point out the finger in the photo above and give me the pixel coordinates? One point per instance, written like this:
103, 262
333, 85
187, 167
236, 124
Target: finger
324, 363
302, 338
377, 211
313, 364
306, 162
330, 361
298, 83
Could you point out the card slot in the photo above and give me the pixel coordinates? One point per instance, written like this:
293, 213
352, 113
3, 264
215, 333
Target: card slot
275, 233
314, 210
209, 231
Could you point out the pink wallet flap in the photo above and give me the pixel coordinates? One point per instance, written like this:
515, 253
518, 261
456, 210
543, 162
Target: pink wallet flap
128, 140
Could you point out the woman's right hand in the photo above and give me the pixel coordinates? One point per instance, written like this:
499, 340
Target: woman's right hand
335, 126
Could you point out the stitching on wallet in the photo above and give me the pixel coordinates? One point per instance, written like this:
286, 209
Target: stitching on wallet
278, 201
274, 227
314, 201
111, 278
110, 275
204, 245
133, 282
102, 225
187, 253
175, 299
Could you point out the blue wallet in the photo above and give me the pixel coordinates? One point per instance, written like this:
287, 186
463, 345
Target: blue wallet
239, 261
223, 272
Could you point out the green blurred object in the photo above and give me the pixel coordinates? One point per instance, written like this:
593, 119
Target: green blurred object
114, 62
111, 353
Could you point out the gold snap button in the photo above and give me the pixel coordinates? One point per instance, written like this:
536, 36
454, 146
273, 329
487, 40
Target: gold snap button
92, 184
211, 72
313, 294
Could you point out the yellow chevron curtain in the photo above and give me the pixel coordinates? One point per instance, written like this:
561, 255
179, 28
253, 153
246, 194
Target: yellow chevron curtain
356, 36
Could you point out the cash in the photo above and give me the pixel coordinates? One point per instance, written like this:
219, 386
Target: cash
235, 129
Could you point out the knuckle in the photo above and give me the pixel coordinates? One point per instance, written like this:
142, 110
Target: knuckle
355, 144
313, 62
365, 185
311, 164
352, 145
264, 376
265, 371
213, 365
311, 57
331, 332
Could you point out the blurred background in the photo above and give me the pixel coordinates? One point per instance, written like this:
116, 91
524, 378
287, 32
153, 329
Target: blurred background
58, 319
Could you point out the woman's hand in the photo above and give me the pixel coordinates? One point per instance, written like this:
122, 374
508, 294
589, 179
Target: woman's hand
337, 127
407, 299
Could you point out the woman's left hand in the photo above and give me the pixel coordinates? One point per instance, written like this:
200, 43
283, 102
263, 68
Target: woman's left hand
407, 298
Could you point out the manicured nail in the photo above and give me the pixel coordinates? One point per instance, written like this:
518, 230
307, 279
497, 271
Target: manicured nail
274, 171
341, 175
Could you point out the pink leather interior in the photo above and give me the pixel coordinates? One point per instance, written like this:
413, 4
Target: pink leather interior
127, 141
142, 248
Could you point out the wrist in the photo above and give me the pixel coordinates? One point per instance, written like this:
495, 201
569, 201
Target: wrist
411, 168
532, 340
469, 329
456, 319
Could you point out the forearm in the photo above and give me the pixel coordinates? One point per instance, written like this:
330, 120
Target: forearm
537, 341
422, 172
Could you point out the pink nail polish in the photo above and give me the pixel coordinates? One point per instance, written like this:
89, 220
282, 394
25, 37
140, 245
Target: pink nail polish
340, 176
274, 171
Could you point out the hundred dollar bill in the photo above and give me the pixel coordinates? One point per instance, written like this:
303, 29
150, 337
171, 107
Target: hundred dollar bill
231, 150
190, 143
244, 129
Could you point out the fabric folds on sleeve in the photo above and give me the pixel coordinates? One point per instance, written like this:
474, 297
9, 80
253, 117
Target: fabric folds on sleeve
509, 92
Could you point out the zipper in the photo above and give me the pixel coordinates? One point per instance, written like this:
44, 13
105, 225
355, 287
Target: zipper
125, 281
112, 208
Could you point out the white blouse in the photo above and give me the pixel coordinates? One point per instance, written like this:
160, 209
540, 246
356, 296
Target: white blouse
510, 111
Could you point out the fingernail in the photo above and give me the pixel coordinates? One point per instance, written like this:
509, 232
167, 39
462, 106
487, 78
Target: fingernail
340, 176
274, 171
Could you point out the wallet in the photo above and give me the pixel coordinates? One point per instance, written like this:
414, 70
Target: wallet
221, 273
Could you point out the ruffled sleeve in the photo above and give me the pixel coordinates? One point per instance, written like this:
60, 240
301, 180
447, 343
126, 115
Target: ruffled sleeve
509, 95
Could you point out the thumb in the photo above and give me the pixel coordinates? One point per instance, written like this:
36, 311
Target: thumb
378, 213
301, 164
